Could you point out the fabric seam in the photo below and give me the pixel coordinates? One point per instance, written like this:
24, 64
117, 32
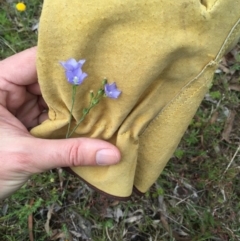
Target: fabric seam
214, 62
213, 6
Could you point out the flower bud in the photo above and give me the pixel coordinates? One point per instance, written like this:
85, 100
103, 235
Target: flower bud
91, 94
104, 81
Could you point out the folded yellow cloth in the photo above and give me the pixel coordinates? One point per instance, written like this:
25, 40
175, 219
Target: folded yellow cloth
162, 54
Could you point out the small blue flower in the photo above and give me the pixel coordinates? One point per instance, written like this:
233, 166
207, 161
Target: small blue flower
73, 71
112, 91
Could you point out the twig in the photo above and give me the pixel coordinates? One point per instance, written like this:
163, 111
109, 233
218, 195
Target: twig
230, 163
224, 196
60, 170
108, 235
73, 222
30, 223
184, 200
7, 44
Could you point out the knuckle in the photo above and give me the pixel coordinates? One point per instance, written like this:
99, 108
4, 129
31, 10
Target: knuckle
75, 156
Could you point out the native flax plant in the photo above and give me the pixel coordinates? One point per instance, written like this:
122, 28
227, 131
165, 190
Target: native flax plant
75, 76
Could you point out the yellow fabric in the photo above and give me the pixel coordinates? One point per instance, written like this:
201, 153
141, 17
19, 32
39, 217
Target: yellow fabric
162, 54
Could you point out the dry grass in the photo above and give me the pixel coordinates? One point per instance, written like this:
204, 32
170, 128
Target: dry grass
196, 198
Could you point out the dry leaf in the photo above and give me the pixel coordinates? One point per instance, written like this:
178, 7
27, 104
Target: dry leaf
214, 117
49, 215
234, 87
224, 68
133, 219
228, 126
118, 213
62, 236
61, 179
5, 209
75, 234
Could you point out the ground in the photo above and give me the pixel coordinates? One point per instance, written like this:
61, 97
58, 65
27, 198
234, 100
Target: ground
197, 197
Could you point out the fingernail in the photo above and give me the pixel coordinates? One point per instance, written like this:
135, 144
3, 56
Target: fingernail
106, 157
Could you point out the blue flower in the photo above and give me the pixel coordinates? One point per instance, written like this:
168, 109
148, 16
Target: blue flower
112, 91
73, 71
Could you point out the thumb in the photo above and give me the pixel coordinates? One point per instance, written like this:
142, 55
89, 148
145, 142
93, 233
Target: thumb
71, 152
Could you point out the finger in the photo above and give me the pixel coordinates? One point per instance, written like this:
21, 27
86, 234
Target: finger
42, 104
20, 68
42, 117
34, 89
33, 112
29, 112
49, 154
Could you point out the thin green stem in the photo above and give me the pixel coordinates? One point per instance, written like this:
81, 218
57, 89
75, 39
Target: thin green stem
82, 119
74, 88
93, 101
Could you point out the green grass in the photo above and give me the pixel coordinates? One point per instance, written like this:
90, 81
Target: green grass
197, 197
16, 28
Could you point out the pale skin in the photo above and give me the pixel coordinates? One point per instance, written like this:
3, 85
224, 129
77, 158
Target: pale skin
21, 108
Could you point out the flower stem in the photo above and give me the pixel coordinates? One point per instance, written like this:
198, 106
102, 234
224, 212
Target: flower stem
82, 118
93, 102
74, 88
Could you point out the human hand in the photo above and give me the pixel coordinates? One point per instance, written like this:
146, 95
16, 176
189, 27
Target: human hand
21, 108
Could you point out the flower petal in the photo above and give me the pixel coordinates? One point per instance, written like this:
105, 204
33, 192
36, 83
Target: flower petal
81, 62
73, 71
69, 64
112, 91
83, 76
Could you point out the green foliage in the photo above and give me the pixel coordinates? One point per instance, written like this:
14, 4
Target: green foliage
192, 137
236, 65
179, 153
198, 167
108, 223
215, 95
16, 31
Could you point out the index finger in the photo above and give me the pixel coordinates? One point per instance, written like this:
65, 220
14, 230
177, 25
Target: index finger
20, 69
